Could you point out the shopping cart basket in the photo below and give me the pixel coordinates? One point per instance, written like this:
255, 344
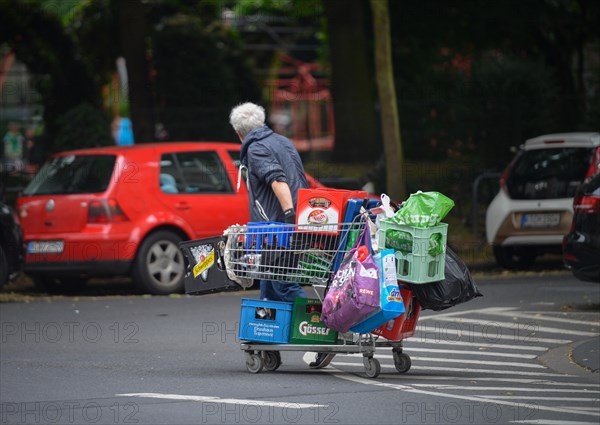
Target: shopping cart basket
309, 255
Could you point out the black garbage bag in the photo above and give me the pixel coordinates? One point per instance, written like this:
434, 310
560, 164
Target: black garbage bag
456, 288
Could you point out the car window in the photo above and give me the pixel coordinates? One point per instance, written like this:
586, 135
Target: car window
235, 157
193, 172
548, 173
73, 174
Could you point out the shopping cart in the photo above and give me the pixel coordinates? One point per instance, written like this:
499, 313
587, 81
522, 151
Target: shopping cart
310, 255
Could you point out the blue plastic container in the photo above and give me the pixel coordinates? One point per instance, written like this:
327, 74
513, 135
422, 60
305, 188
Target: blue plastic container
268, 233
265, 321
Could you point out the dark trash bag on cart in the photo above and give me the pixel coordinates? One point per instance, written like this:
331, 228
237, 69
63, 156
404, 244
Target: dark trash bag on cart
456, 288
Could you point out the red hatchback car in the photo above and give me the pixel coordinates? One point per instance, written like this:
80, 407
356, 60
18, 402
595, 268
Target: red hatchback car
114, 211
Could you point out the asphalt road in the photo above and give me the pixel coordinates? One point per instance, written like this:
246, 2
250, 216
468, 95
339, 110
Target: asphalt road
504, 358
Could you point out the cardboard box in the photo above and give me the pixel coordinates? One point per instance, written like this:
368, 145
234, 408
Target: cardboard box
321, 207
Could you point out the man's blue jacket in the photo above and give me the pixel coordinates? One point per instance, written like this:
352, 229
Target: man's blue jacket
270, 157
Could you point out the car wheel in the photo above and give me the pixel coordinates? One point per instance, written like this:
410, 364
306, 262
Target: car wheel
62, 285
3, 268
159, 265
514, 258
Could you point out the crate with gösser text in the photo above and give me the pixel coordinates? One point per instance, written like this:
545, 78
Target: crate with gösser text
307, 327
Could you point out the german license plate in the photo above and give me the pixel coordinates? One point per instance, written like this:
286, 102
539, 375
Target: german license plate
45, 247
540, 220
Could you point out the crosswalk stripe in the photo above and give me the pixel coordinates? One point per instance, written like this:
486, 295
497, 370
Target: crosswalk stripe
552, 422
474, 353
547, 318
438, 332
463, 370
535, 327
515, 389
469, 353
534, 407
479, 362
520, 397
476, 344
495, 379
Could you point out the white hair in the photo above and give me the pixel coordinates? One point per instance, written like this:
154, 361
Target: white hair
246, 117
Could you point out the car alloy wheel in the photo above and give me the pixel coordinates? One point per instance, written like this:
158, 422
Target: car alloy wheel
159, 265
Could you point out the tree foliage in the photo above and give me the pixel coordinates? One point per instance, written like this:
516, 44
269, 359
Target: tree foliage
39, 40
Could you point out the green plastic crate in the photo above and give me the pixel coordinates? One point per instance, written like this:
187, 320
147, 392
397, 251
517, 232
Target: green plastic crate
307, 327
417, 259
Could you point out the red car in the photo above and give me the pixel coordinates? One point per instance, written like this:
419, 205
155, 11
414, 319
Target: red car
114, 211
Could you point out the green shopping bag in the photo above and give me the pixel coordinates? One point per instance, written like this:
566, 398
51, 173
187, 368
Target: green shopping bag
423, 209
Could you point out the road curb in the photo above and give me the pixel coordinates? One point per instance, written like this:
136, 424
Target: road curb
587, 354
560, 359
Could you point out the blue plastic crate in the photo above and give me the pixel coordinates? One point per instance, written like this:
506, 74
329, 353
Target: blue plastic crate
265, 321
268, 233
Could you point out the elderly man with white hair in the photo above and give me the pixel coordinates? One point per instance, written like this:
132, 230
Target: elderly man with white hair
275, 173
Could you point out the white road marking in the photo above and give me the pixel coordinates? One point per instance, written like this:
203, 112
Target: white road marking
410, 351
471, 334
552, 422
476, 344
467, 352
520, 397
494, 379
535, 327
283, 405
479, 362
515, 389
534, 407
455, 369
542, 317
458, 313
591, 409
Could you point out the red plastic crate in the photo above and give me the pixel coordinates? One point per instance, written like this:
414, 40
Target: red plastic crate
404, 326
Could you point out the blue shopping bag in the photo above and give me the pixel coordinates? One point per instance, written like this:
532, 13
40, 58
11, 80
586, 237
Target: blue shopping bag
392, 305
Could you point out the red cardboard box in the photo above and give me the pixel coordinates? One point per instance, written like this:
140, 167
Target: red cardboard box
321, 207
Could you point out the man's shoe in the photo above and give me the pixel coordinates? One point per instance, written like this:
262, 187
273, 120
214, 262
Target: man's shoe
322, 360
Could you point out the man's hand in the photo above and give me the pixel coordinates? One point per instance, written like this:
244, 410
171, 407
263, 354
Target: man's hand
290, 216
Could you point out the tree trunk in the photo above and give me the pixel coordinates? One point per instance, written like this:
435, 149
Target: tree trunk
133, 33
390, 124
356, 135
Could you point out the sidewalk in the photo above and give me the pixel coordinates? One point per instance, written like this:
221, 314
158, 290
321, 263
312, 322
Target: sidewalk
587, 355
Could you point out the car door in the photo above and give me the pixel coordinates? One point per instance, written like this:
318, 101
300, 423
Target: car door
198, 187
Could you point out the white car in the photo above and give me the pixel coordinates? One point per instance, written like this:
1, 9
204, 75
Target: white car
533, 209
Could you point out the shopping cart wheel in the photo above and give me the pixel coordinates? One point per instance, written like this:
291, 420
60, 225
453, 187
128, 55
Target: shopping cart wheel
271, 360
402, 362
254, 362
372, 367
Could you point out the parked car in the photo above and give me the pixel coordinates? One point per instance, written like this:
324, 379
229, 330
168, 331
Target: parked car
123, 211
11, 244
581, 246
533, 209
